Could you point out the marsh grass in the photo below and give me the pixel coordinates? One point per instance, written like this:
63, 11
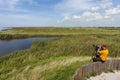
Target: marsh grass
25, 32
63, 72
74, 42
34, 72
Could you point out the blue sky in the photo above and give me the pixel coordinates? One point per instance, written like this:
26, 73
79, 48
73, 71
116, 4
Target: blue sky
85, 13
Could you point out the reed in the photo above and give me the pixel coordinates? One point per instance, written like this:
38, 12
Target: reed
75, 42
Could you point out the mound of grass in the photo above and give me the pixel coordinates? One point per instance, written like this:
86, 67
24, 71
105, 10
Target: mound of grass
44, 68
63, 72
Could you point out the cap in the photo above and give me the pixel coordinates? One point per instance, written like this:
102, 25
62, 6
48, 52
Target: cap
103, 45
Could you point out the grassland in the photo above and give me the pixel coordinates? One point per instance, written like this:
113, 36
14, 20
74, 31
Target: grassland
55, 59
52, 31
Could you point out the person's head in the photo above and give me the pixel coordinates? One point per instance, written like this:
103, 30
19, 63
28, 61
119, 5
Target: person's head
103, 46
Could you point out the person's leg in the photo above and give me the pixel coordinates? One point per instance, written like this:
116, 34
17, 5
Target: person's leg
97, 59
102, 61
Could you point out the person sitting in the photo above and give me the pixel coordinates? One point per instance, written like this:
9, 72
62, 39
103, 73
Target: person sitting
102, 54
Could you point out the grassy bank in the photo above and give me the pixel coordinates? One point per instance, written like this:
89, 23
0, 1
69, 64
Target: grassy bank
16, 33
54, 59
54, 68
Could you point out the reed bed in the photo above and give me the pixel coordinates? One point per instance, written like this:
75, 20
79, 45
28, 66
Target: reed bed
75, 42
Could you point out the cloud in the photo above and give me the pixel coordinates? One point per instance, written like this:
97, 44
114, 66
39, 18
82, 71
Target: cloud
113, 11
88, 19
84, 4
74, 5
14, 5
11, 4
92, 22
32, 2
18, 16
76, 17
68, 12
24, 20
92, 16
22, 12
13, 19
88, 11
106, 3
95, 8
86, 16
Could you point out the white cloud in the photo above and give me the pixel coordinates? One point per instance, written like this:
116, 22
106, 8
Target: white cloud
76, 12
113, 11
106, 3
89, 11
86, 16
95, 8
107, 17
86, 22
92, 16
11, 4
32, 2
24, 20
15, 16
80, 5
74, 4
76, 17
65, 18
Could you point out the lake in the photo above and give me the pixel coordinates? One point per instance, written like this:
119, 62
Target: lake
7, 47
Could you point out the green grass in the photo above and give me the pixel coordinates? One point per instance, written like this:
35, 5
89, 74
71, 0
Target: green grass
52, 31
41, 68
42, 55
63, 72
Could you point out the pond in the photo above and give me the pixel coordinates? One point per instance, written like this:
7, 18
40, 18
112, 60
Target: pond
7, 47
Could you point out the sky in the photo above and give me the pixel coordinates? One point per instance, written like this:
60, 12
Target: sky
84, 13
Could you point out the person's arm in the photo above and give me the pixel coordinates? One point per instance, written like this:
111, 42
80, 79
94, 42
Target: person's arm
98, 51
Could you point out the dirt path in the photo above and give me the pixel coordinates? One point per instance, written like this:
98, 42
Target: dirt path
107, 76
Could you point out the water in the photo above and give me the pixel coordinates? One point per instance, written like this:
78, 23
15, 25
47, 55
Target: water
1, 28
4, 28
6, 47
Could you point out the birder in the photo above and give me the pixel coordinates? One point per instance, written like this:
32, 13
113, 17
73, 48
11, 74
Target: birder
102, 54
